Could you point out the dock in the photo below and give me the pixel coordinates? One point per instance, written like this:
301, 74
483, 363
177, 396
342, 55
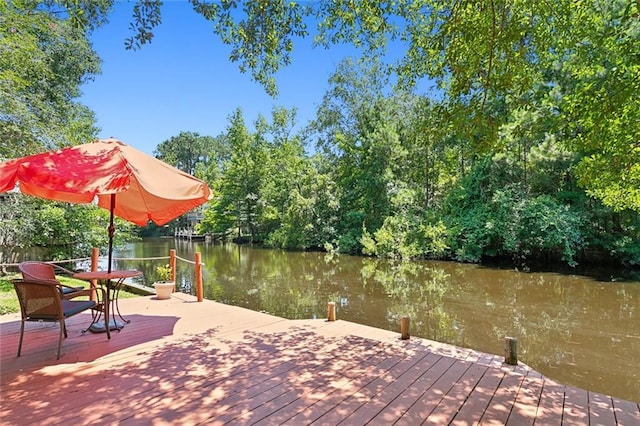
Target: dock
189, 234
180, 361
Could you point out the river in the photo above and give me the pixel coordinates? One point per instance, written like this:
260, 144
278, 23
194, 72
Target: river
577, 330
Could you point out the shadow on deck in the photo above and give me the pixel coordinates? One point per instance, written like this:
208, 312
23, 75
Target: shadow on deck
188, 362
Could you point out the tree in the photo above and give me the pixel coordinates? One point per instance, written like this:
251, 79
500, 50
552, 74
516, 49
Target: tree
365, 134
15, 228
218, 153
483, 55
300, 207
43, 62
532, 99
238, 204
268, 190
597, 97
44, 59
59, 230
186, 151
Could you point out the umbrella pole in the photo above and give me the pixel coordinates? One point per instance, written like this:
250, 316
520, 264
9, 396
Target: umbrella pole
111, 230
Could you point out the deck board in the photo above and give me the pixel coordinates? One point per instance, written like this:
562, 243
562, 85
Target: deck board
379, 393
503, 400
478, 400
451, 404
204, 362
360, 395
434, 394
627, 412
551, 404
526, 405
576, 406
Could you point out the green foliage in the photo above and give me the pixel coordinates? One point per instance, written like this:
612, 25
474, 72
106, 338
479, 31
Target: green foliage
626, 249
406, 235
69, 230
60, 230
16, 228
45, 57
163, 272
548, 227
572, 63
44, 60
616, 234
599, 100
311, 219
8, 299
263, 41
184, 151
239, 204
508, 222
528, 148
146, 14
309, 222
392, 181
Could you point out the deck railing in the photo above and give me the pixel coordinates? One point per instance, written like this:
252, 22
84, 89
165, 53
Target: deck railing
173, 258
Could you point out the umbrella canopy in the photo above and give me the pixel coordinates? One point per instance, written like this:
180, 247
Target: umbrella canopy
127, 182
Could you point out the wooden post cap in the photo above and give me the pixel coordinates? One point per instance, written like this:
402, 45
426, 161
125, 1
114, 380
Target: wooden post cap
331, 311
511, 350
404, 327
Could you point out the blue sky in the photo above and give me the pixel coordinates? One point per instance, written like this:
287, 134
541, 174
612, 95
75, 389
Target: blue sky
184, 81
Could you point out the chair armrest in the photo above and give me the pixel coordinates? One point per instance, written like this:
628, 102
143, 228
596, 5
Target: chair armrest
69, 296
86, 292
46, 281
70, 287
63, 271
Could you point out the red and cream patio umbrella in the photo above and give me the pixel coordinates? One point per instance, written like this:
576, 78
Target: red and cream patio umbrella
128, 183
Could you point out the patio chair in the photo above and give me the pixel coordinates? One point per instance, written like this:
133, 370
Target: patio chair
41, 301
46, 272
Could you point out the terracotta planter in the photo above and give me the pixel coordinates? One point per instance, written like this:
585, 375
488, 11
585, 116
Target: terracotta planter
163, 289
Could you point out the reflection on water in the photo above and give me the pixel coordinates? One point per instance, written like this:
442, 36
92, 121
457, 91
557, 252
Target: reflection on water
573, 329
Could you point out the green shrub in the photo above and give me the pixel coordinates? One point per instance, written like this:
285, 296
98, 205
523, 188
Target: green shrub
511, 224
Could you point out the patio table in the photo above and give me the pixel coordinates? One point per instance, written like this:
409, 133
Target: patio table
105, 278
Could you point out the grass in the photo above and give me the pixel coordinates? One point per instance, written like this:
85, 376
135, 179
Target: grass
9, 301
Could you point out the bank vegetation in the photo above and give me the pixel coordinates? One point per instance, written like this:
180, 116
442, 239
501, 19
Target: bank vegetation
506, 130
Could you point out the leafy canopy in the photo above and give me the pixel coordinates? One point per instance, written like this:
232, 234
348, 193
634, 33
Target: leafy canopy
583, 57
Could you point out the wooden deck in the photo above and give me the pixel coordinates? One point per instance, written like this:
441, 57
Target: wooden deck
184, 362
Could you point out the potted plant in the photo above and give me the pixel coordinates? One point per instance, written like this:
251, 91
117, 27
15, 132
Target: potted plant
164, 286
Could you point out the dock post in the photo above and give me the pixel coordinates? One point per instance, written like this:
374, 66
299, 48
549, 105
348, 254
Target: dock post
172, 265
198, 276
404, 327
95, 255
331, 308
511, 350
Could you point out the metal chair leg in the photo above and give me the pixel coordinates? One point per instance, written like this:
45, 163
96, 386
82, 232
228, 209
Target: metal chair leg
62, 331
21, 336
106, 320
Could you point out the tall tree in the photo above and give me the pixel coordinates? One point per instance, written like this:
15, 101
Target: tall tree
482, 54
300, 207
361, 130
44, 60
239, 202
185, 151
597, 96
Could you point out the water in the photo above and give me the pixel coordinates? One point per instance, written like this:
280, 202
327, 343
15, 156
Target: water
574, 329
